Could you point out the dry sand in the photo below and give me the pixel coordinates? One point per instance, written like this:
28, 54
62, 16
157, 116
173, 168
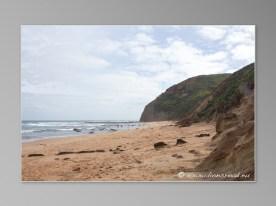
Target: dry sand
128, 155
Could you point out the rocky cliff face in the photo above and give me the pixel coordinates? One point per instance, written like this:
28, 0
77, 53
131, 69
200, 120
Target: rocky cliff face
224, 97
178, 100
234, 142
230, 104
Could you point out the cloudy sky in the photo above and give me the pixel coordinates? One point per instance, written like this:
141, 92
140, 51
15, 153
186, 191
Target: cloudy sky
112, 72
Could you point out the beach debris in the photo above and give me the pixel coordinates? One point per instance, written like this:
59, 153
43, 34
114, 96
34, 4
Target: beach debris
77, 130
77, 169
185, 123
36, 155
203, 135
117, 150
80, 152
85, 151
194, 152
159, 145
138, 161
177, 156
180, 141
65, 153
100, 150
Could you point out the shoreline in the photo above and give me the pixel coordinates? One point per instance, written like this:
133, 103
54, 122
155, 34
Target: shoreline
128, 155
145, 124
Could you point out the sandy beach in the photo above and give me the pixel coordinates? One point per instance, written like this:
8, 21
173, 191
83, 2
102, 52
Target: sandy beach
119, 156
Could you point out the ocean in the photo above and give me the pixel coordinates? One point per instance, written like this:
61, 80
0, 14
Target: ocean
33, 130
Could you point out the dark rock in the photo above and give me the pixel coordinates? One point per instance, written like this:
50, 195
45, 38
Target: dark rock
116, 152
85, 151
159, 145
177, 156
76, 169
185, 123
174, 155
138, 161
65, 153
194, 152
203, 135
180, 141
77, 130
91, 132
100, 150
113, 130
35, 155
66, 158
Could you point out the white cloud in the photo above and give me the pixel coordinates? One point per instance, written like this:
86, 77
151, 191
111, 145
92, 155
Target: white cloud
101, 72
212, 32
145, 28
244, 52
240, 41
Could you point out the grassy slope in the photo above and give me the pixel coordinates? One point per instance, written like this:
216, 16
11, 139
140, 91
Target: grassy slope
181, 98
229, 92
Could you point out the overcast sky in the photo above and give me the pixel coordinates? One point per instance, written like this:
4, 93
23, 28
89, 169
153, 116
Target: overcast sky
112, 72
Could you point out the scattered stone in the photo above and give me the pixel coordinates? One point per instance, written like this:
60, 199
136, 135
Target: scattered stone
159, 145
85, 151
138, 161
185, 123
116, 152
100, 150
203, 135
180, 141
194, 152
66, 158
35, 155
177, 156
76, 169
65, 153
77, 130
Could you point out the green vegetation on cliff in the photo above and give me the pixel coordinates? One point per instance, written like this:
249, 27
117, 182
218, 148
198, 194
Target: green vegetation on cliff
229, 93
182, 98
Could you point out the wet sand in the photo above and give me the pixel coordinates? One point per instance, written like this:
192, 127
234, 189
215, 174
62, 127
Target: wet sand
119, 156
